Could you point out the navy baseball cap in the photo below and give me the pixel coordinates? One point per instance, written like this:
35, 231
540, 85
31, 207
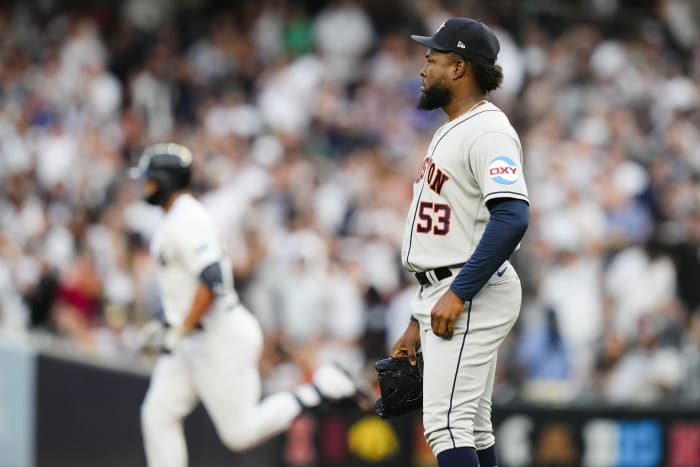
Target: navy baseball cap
466, 37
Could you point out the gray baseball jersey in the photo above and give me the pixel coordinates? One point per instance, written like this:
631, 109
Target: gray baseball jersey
471, 160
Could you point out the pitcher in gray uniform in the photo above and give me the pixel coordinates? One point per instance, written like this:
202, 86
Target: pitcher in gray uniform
469, 212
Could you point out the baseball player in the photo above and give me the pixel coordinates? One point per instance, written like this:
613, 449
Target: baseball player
468, 213
212, 343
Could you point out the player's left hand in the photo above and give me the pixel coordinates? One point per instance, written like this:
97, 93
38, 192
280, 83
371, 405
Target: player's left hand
445, 313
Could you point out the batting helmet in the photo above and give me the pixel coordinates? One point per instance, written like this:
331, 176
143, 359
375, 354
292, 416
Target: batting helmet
169, 165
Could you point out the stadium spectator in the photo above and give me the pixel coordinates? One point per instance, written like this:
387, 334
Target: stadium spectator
302, 121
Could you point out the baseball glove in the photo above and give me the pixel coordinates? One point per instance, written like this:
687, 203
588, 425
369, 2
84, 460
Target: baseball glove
400, 385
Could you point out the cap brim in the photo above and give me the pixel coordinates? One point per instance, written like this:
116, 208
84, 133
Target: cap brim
428, 41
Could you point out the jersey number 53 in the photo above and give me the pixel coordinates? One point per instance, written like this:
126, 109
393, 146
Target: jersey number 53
434, 218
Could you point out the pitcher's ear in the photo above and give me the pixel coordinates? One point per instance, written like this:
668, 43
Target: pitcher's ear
461, 67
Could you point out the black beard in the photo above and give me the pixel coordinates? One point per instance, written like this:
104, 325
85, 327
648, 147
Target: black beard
159, 197
435, 97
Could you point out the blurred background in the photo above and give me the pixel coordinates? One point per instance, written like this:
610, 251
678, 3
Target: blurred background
302, 119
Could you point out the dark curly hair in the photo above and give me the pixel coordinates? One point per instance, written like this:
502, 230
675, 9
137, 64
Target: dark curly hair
487, 76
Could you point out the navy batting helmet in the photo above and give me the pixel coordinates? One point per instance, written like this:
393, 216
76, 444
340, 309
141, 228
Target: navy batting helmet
169, 165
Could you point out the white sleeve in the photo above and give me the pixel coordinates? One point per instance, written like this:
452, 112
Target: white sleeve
495, 160
198, 246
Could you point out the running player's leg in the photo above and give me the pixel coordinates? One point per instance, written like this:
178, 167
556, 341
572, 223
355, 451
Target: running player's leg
228, 381
171, 396
230, 388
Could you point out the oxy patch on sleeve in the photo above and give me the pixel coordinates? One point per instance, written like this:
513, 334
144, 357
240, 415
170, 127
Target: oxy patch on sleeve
503, 170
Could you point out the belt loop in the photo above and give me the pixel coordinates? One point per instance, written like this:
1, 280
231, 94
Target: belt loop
431, 276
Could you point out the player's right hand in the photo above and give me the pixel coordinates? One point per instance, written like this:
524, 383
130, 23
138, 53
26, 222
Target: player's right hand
151, 336
444, 314
408, 344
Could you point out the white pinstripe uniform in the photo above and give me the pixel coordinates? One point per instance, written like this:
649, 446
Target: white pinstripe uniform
218, 363
472, 159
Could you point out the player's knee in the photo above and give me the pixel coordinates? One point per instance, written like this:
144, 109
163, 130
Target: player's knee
484, 439
237, 439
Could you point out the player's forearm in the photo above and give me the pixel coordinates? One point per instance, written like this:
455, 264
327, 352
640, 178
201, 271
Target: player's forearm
203, 299
210, 280
508, 223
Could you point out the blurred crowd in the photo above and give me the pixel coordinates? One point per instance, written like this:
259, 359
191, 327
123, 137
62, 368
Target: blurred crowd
302, 119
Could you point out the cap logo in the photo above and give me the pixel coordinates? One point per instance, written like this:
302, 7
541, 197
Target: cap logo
461, 45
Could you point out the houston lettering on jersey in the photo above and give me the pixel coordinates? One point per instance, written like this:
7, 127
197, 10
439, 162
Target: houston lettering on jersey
435, 178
